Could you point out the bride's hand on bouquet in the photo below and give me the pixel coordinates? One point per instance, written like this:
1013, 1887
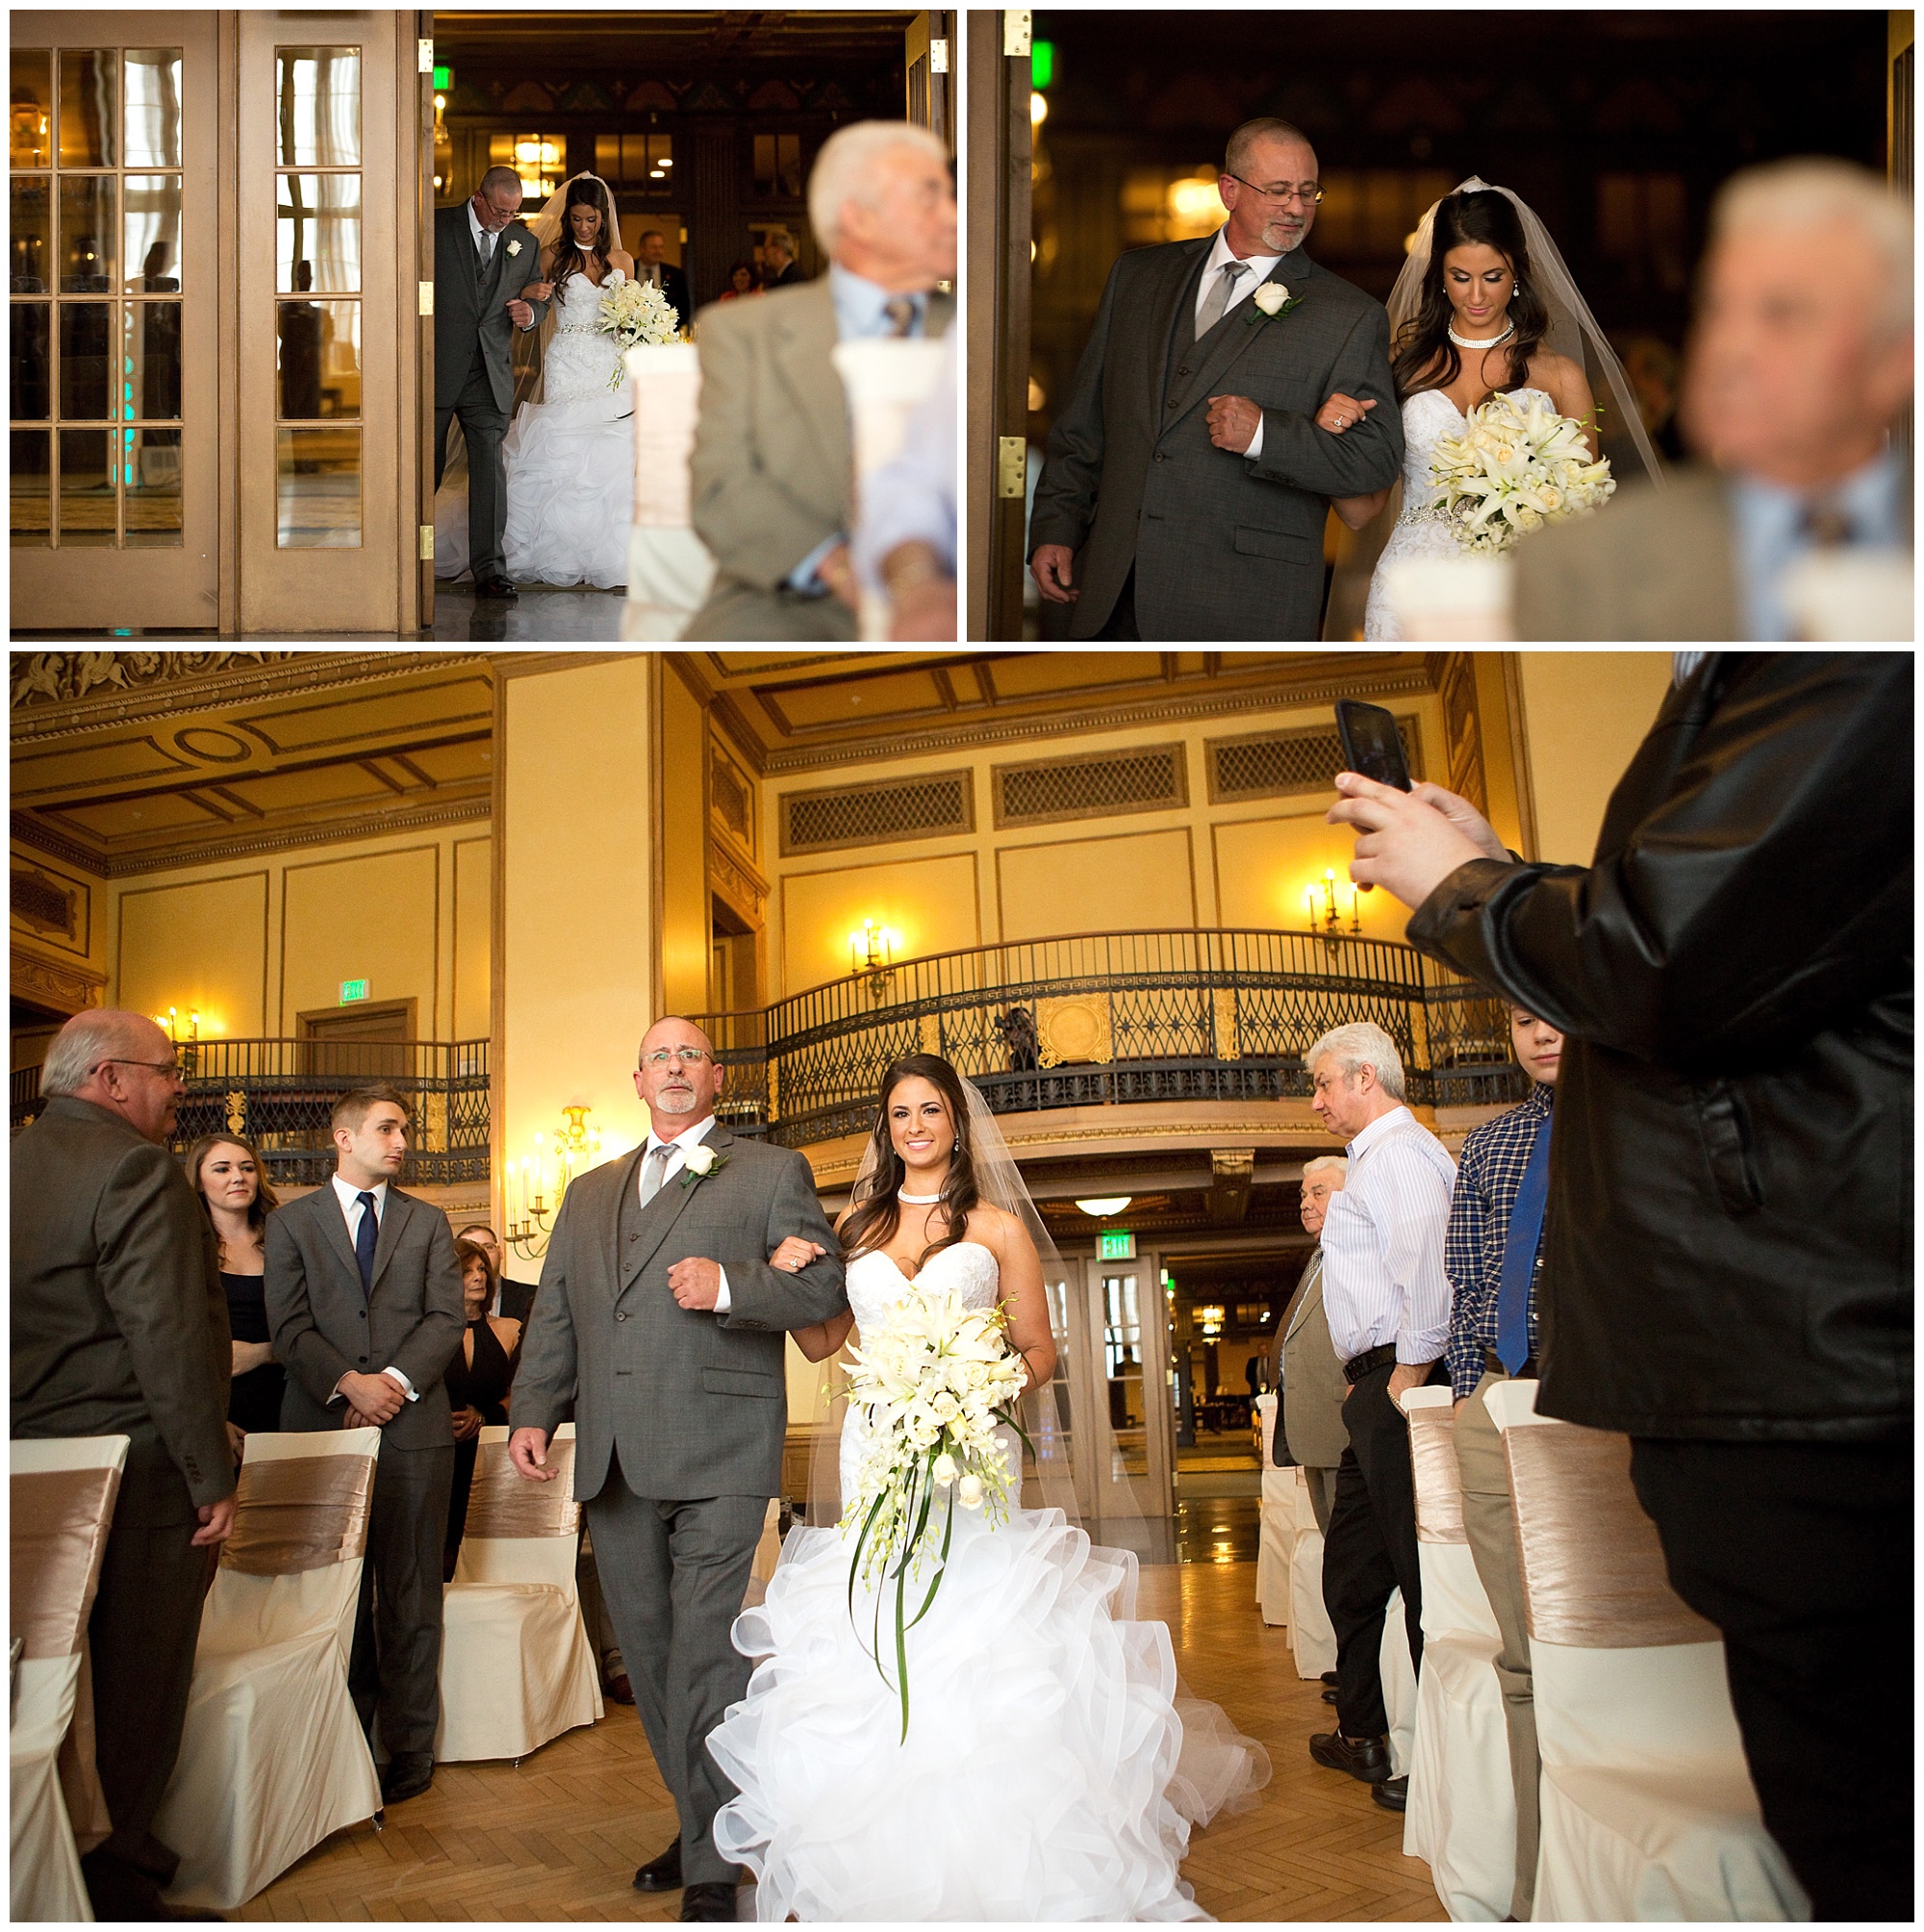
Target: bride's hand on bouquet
1343, 411
795, 1255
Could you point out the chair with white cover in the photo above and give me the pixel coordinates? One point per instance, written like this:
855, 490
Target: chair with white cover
884, 378
517, 1667
1399, 1682
62, 1497
1276, 1528
1461, 1816
1648, 1809
670, 569
273, 1758
1311, 1636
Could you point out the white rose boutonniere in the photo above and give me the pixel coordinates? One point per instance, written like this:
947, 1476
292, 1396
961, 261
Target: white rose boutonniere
1269, 302
698, 1162
513, 247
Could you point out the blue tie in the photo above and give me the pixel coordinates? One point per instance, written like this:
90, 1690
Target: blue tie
1519, 1264
365, 1238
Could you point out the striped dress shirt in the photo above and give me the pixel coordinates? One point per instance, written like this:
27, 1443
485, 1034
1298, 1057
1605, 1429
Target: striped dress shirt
1494, 1158
1383, 1244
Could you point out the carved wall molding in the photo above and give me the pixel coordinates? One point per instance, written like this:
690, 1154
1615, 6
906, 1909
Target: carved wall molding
737, 882
65, 987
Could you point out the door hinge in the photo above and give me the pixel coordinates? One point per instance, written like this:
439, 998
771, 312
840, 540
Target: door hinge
426, 298
1015, 34
938, 57
425, 50
427, 542
1011, 466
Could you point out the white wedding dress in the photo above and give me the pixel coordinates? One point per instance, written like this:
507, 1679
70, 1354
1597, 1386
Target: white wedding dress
1048, 1773
571, 457
1427, 417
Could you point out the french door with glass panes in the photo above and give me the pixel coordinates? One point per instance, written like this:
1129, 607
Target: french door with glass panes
114, 241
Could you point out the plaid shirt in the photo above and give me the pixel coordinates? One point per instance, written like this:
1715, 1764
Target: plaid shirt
1488, 1175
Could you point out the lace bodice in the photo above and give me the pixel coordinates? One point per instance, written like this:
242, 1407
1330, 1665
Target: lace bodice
579, 359
874, 1284
578, 302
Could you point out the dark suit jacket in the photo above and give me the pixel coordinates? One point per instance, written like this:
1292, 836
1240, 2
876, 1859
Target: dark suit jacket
323, 1325
674, 288
119, 1323
517, 1299
787, 278
467, 310
695, 1404
1223, 547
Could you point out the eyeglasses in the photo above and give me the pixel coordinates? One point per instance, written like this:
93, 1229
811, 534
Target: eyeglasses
1308, 193
167, 1069
688, 1057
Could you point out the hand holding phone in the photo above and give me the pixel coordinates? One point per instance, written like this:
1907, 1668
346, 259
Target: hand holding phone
1371, 744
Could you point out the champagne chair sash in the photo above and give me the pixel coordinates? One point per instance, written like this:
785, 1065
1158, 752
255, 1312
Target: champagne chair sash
60, 1523
1432, 1456
299, 1512
505, 1506
1593, 1569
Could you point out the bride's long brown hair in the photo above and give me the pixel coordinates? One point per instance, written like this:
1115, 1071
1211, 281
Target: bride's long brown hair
876, 1213
568, 251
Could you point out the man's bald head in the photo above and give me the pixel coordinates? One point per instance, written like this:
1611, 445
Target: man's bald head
118, 1060
677, 1078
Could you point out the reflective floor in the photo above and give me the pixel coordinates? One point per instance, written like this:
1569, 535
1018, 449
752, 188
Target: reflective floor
536, 617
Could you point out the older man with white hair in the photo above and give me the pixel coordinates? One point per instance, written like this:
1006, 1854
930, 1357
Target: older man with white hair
1309, 1430
772, 469
1800, 365
1387, 1300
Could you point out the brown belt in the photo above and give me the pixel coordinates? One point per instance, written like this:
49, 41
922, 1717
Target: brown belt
1493, 1362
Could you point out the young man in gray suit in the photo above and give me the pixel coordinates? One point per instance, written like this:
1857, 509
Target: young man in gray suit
1188, 485
364, 1295
483, 258
660, 1318
119, 1327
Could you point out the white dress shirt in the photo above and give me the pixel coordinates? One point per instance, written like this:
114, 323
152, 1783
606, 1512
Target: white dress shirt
677, 1160
350, 1197
1383, 1244
1246, 286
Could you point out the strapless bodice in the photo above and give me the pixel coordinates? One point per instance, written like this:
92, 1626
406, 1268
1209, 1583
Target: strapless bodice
874, 1284
578, 302
1427, 418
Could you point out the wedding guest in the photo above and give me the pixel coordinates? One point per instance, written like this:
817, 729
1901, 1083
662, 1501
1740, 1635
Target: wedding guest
479, 1375
1800, 365
741, 281
652, 266
512, 1299
1389, 1304
773, 470
118, 1327
367, 1342
1493, 1256
1722, 1047
779, 267
904, 546
1304, 1366
233, 1189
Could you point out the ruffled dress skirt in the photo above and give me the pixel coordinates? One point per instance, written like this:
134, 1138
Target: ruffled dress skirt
1047, 1772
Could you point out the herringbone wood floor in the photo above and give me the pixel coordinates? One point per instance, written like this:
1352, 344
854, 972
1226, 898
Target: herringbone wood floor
560, 1836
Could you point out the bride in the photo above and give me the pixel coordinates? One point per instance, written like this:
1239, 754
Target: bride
1484, 305
1047, 1772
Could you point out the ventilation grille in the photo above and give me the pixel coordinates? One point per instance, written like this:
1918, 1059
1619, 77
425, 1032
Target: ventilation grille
1151, 778
1281, 763
41, 902
879, 814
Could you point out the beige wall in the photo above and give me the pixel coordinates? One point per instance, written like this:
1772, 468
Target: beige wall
685, 917
373, 916
199, 944
933, 903
1584, 714
1265, 866
1116, 881
473, 916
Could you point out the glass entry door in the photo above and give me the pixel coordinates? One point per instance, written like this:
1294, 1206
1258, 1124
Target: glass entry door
1120, 1359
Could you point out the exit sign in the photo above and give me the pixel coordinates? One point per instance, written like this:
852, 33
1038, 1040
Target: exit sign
443, 79
1115, 1244
352, 990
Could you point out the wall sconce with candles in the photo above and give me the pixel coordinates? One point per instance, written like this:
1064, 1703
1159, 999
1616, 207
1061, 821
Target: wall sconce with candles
1327, 920
532, 1191
873, 952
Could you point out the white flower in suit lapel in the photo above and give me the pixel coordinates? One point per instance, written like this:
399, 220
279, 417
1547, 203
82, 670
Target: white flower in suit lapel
698, 1162
1270, 303
513, 247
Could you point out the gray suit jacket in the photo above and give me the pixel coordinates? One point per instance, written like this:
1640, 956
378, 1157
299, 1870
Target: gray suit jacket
695, 1404
1651, 566
119, 1325
1222, 547
467, 308
324, 1326
772, 473
1312, 1378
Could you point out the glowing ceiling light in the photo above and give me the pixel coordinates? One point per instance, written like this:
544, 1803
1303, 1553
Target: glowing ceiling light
1105, 1204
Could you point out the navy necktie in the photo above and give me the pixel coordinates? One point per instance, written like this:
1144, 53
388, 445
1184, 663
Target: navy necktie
365, 1238
1519, 1262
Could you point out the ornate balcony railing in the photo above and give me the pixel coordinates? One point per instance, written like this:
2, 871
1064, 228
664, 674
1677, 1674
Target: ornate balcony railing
1111, 1017
280, 1094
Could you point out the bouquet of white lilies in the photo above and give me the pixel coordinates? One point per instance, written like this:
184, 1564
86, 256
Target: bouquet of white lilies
1516, 467
934, 1381
636, 312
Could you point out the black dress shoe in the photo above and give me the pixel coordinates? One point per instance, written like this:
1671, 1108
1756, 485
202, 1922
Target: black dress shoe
495, 587
1331, 1678
706, 1903
1329, 1695
408, 1774
663, 1874
1393, 1793
118, 1888
1364, 1758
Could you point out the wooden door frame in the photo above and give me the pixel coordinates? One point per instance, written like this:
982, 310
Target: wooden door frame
920, 37
420, 621
305, 1022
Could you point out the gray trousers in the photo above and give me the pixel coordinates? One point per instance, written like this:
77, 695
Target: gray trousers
595, 1615
1492, 1531
1322, 1487
483, 425
394, 1673
673, 1575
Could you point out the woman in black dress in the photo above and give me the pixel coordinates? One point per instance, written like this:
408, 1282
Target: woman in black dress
234, 1188
477, 1381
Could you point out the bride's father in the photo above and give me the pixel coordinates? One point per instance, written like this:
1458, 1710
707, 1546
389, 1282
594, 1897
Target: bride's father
483, 258
1187, 484
661, 1320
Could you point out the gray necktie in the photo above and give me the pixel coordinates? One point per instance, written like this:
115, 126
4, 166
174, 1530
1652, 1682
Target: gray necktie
653, 1169
899, 312
484, 253
1216, 300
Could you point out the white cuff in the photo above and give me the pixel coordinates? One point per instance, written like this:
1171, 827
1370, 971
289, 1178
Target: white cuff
721, 1300
1256, 447
407, 1387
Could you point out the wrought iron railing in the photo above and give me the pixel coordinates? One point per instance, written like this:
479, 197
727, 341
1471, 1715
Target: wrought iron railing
1111, 1017
281, 1093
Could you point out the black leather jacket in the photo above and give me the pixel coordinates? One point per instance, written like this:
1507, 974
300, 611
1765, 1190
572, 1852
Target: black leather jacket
1728, 1246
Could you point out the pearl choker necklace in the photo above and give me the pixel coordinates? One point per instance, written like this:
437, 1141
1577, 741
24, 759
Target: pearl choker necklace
918, 1200
1465, 342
